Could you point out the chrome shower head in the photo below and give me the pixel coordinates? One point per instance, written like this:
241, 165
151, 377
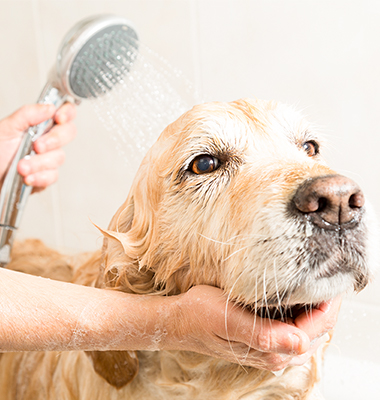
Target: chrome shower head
93, 57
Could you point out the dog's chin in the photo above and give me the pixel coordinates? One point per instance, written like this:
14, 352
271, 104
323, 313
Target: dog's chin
305, 298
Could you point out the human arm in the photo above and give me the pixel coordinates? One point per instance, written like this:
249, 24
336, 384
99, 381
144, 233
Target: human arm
41, 314
40, 170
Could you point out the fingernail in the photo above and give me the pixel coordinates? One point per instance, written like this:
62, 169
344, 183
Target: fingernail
296, 343
24, 167
323, 338
29, 180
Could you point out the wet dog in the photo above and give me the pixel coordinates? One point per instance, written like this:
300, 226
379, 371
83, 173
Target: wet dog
234, 195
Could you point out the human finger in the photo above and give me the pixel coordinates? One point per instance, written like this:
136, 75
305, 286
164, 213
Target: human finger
317, 321
258, 359
65, 113
25, 117
264, 334
42, 179
57, 137
30, 166
303, 358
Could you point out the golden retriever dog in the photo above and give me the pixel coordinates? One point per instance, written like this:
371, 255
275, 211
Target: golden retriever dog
234, 195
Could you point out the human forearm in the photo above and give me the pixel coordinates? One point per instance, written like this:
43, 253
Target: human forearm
41, 314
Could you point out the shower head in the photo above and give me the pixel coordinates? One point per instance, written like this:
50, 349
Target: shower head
94, 56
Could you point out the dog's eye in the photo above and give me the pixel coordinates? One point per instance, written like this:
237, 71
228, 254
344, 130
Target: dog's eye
311, 148
204, 164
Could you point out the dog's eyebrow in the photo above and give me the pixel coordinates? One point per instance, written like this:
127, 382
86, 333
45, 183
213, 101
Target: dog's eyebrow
213, 146
303, 136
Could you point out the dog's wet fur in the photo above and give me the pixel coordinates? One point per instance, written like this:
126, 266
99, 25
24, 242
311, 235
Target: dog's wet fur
234, 195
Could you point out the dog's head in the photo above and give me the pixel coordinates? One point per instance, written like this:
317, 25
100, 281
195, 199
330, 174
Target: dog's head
236, 195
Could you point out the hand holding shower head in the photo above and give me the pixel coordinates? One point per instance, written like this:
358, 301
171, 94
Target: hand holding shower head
93, 57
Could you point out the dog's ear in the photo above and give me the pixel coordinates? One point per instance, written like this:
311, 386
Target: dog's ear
130, 235
118, 368
125, 242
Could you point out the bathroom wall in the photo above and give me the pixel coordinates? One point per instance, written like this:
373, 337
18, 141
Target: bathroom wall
321, 56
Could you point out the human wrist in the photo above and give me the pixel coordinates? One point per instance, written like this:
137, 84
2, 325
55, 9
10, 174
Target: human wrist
122, 321
174, 319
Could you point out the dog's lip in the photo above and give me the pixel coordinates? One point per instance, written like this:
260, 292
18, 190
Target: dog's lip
289, 313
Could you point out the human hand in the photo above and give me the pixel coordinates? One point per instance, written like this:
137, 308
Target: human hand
204, 322
41, 170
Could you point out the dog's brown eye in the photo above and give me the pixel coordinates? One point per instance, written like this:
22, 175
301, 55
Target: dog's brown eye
204, 164
311, 148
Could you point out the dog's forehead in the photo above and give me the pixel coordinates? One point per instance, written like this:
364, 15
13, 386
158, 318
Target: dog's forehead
243, 121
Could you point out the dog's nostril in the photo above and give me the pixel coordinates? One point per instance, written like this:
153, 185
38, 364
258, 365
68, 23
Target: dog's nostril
356, 200
322, 204
329, 201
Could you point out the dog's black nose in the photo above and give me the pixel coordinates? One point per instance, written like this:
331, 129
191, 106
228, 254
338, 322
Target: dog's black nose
330, 201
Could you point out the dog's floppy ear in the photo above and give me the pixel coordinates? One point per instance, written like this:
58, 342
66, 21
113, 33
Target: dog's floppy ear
130, 235
118, 368
125, 242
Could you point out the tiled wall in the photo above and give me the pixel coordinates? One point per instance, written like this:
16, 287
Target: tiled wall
322, 55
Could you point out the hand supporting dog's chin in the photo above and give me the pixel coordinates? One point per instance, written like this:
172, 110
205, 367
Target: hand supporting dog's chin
205, 322
202, 320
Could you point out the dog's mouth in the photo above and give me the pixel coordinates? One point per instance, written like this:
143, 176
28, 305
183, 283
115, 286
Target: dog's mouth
288, 313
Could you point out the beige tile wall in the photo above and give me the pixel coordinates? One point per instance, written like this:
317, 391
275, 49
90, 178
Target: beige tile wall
323, 56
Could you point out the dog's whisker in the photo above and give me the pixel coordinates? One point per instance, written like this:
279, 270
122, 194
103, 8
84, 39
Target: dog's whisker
265, 295
226, 320
257, 242
216, 241
221, 242
254, 323
309, 311
277, 291
255, 309
236, 252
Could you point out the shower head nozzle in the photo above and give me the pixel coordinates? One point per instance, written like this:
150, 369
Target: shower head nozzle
95, 55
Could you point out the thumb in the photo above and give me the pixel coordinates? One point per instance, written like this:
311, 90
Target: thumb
25, 117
